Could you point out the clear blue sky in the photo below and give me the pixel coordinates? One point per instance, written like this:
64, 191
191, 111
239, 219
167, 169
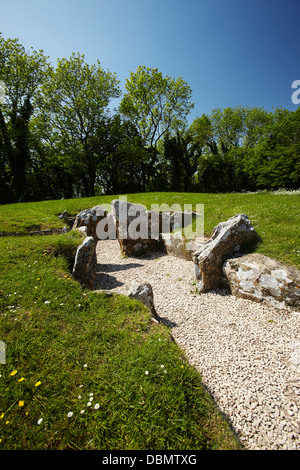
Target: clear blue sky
231, 52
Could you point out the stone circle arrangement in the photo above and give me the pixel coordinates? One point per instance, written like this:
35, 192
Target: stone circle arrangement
233, 311
219, 262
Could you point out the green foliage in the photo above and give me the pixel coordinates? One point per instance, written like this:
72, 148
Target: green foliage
69, 350
276, 161
58, 139
155, 103
248, 149
22, 73
72, 105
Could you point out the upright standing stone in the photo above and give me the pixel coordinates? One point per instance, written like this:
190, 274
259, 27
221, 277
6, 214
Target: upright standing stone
227, 238
89, 218
138, 230
84, 270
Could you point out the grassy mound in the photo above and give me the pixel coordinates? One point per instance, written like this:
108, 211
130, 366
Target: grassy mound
89, 371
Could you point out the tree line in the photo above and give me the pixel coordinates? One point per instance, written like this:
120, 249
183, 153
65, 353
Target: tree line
58, 137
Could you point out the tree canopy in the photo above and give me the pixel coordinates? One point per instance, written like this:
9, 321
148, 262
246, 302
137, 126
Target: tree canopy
58, 137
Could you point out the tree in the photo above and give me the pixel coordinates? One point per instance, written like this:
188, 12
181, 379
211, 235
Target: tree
182, 153
73, 103
276, 159
227, 138
155, 104
122, 157
22, 72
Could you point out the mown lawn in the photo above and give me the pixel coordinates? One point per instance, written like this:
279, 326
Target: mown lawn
88, 371
276, 217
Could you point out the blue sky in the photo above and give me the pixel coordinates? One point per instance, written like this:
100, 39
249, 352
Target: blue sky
231, 52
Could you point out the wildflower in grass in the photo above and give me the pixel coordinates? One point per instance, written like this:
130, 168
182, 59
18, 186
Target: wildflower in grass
6, 422
91, 394
13, 372
21, 403
81, 412
85, 365
40, 421
89, 403
146, 372
47, 302
37, 384
70, 414
79, 397
96, 406
21, 379
162, 366
2, 415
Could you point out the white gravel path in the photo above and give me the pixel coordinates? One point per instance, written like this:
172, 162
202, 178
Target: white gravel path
248, 354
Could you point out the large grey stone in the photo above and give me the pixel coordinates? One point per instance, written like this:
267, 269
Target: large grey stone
176, 245
84, 269
141, 291
228, 238
265, 280
90, 218
138, 230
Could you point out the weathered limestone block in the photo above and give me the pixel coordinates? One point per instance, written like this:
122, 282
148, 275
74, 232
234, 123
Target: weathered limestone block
227, 238
106, 228
82, 230
141, 230
90, 218
176, 245
265, 280
84, 269
67, 218
137, 229
140, 291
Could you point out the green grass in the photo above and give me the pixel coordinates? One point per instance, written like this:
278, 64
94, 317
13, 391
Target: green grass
276, 217
64, 343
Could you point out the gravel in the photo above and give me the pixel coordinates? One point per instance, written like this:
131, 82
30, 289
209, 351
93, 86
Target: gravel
248, 354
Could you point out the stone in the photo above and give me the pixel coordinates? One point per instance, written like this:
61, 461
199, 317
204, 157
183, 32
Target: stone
67, 218
84, 269
82, 230
142, 292
177, 245
90, 219
106, 228
138, 230
262, 279
228, 238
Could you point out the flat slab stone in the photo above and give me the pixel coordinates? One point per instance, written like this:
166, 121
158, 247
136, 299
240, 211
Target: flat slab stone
262, 279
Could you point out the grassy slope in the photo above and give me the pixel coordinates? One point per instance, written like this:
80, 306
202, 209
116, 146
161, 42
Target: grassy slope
64, 343
275, 217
